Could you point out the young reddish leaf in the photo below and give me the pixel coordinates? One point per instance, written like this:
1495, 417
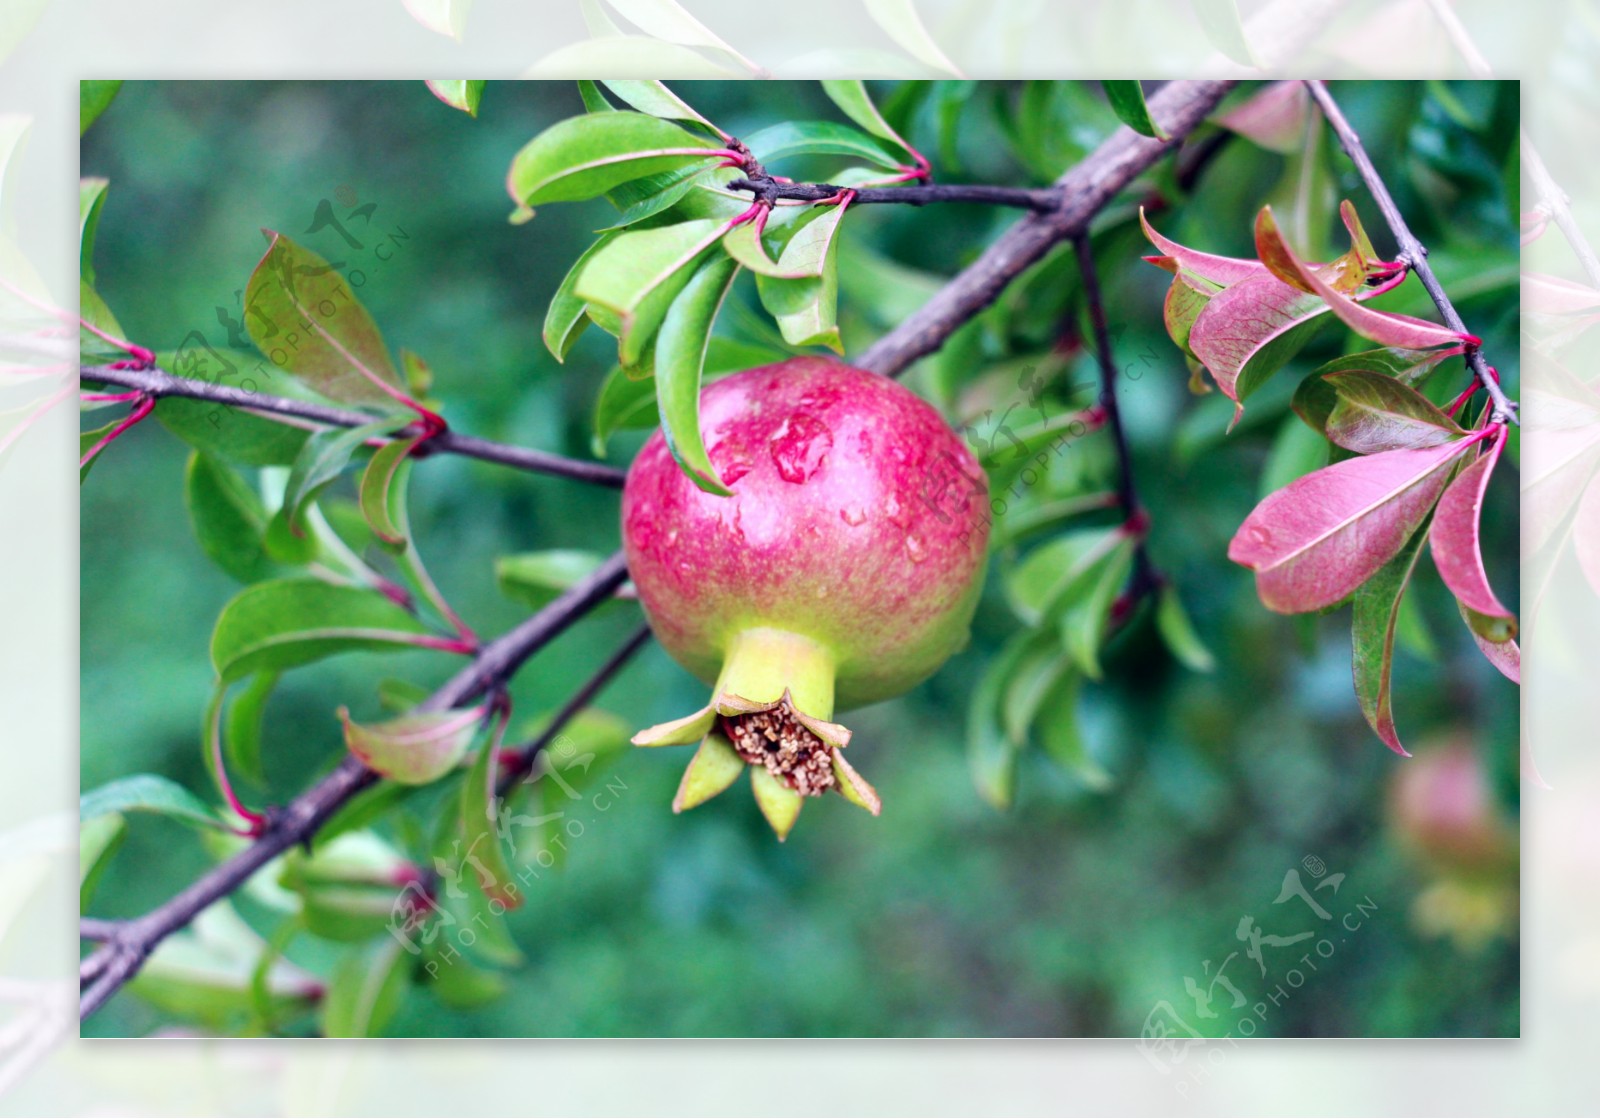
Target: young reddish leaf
1456, 551
413, 749
1247, 331
1313, 542
1274, 119
1222, 270
1376, 413
1360, 243
1373, 620
1504, 655
1384, 327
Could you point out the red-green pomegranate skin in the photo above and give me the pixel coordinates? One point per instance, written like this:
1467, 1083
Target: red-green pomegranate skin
859, 521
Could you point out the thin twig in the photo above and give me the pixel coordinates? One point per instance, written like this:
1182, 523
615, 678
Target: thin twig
527, 754
1456, 32
1144, 576
131, 942
158, 383
1081, 193
770, 189
1502, 409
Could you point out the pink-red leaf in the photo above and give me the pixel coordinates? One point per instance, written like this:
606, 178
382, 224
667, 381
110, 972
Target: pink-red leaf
1322, 536
1247, 331
1505, 655
1456, 550
1223, 270
1383, 327
1586, 533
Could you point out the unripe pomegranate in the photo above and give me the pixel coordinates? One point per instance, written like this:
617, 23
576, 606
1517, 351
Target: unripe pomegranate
843, 570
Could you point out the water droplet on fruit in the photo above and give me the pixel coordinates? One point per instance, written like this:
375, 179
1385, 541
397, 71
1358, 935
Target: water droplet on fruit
853, 515
915, 549
799, 446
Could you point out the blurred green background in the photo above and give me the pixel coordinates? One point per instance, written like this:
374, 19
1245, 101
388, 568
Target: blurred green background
1075, 913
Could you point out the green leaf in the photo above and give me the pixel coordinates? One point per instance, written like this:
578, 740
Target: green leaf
1035, 674
807, 309
204, 974
680, 360
86, 440
148, 792
818, 137
463, 95
324, 458
99, 839
94, 98
567, 316
289, 622
1005, 458
535, 579
654, 98
645, 198
1058, 731
1018, 524
366, 990
991, 755
241, 730
1220, 21
302, 316
584, 157
640, 273
444, 17
1054, 575
1178, 632
1083, 625
479, 831
91, 199
223, 432
228, 516
380, 494
345, 889
624, 402
1373, 620
1315, 399
290, 546
853, 100
95, 313
1127, 101
414, 749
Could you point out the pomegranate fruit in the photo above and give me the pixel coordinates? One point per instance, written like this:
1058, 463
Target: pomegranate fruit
843, 570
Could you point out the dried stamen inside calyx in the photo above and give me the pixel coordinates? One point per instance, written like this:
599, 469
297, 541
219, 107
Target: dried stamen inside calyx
778, 741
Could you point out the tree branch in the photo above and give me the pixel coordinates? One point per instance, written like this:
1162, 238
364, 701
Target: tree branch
158, 382
1502, 409
131, 942
1080, 194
